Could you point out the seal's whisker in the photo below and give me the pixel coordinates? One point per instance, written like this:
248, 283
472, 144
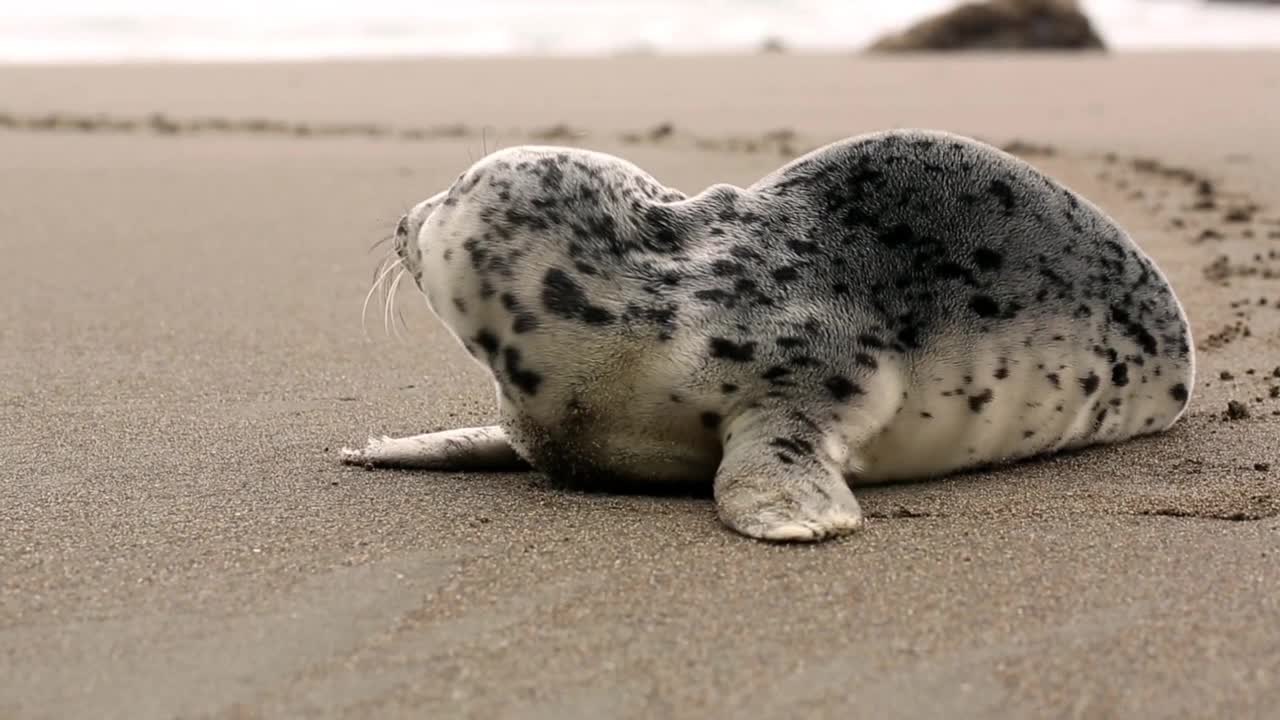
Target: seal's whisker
373, 286
384, 296
395, 307
364, 310
387, 258
400, 317
388, 308
383, 241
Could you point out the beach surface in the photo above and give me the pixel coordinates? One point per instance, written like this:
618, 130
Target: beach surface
183, 257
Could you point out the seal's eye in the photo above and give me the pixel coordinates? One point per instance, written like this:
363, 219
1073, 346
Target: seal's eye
403, 228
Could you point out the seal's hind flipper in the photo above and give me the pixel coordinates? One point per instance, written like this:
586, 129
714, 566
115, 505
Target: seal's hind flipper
480, 448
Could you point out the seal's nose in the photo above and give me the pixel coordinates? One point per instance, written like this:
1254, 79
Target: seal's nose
403, 228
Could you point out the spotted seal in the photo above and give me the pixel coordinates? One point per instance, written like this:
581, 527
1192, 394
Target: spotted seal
896, 305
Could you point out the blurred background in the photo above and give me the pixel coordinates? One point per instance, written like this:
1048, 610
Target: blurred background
140, 30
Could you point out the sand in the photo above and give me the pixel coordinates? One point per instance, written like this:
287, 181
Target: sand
181, 355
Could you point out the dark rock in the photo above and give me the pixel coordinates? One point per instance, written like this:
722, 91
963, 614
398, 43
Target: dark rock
772, 46
999, 25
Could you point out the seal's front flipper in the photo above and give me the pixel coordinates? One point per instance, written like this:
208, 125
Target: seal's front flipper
778, 481
481, 448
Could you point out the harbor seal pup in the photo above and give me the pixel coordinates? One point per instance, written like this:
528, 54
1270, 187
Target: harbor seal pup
897, 305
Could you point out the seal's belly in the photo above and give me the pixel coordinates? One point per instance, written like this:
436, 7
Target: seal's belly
603, 447
1002, 407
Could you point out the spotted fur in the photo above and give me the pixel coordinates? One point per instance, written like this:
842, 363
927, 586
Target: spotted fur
896, 305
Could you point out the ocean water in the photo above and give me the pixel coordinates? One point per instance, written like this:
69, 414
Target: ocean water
131, 30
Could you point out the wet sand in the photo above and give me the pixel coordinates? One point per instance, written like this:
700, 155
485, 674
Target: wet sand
181, 356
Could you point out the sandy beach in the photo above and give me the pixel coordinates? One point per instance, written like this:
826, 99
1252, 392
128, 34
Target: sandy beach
184, 257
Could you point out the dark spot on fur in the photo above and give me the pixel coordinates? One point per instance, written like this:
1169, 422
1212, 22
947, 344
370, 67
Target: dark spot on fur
841, 388
909, 336
1120, 374
1145, 339
563, 296
987, 259
794, 445
802, 247
953, 271
1053, 378
730, 350
785, 274
1090, 382
865, 360
984, 306
716, 295
1002, 192
726, 267
979, 401
527, 380
662, 234
897, 236
1179, 392
524, 322
728, 388
775, 373
487, 340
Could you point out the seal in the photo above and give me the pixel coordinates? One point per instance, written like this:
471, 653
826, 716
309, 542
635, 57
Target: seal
898, 305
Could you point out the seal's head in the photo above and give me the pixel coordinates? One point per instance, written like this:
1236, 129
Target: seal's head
479, 251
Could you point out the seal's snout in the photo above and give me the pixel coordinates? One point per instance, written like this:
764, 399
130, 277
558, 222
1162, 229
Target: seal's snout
410, 238
407, 244
402, 238
402, 235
